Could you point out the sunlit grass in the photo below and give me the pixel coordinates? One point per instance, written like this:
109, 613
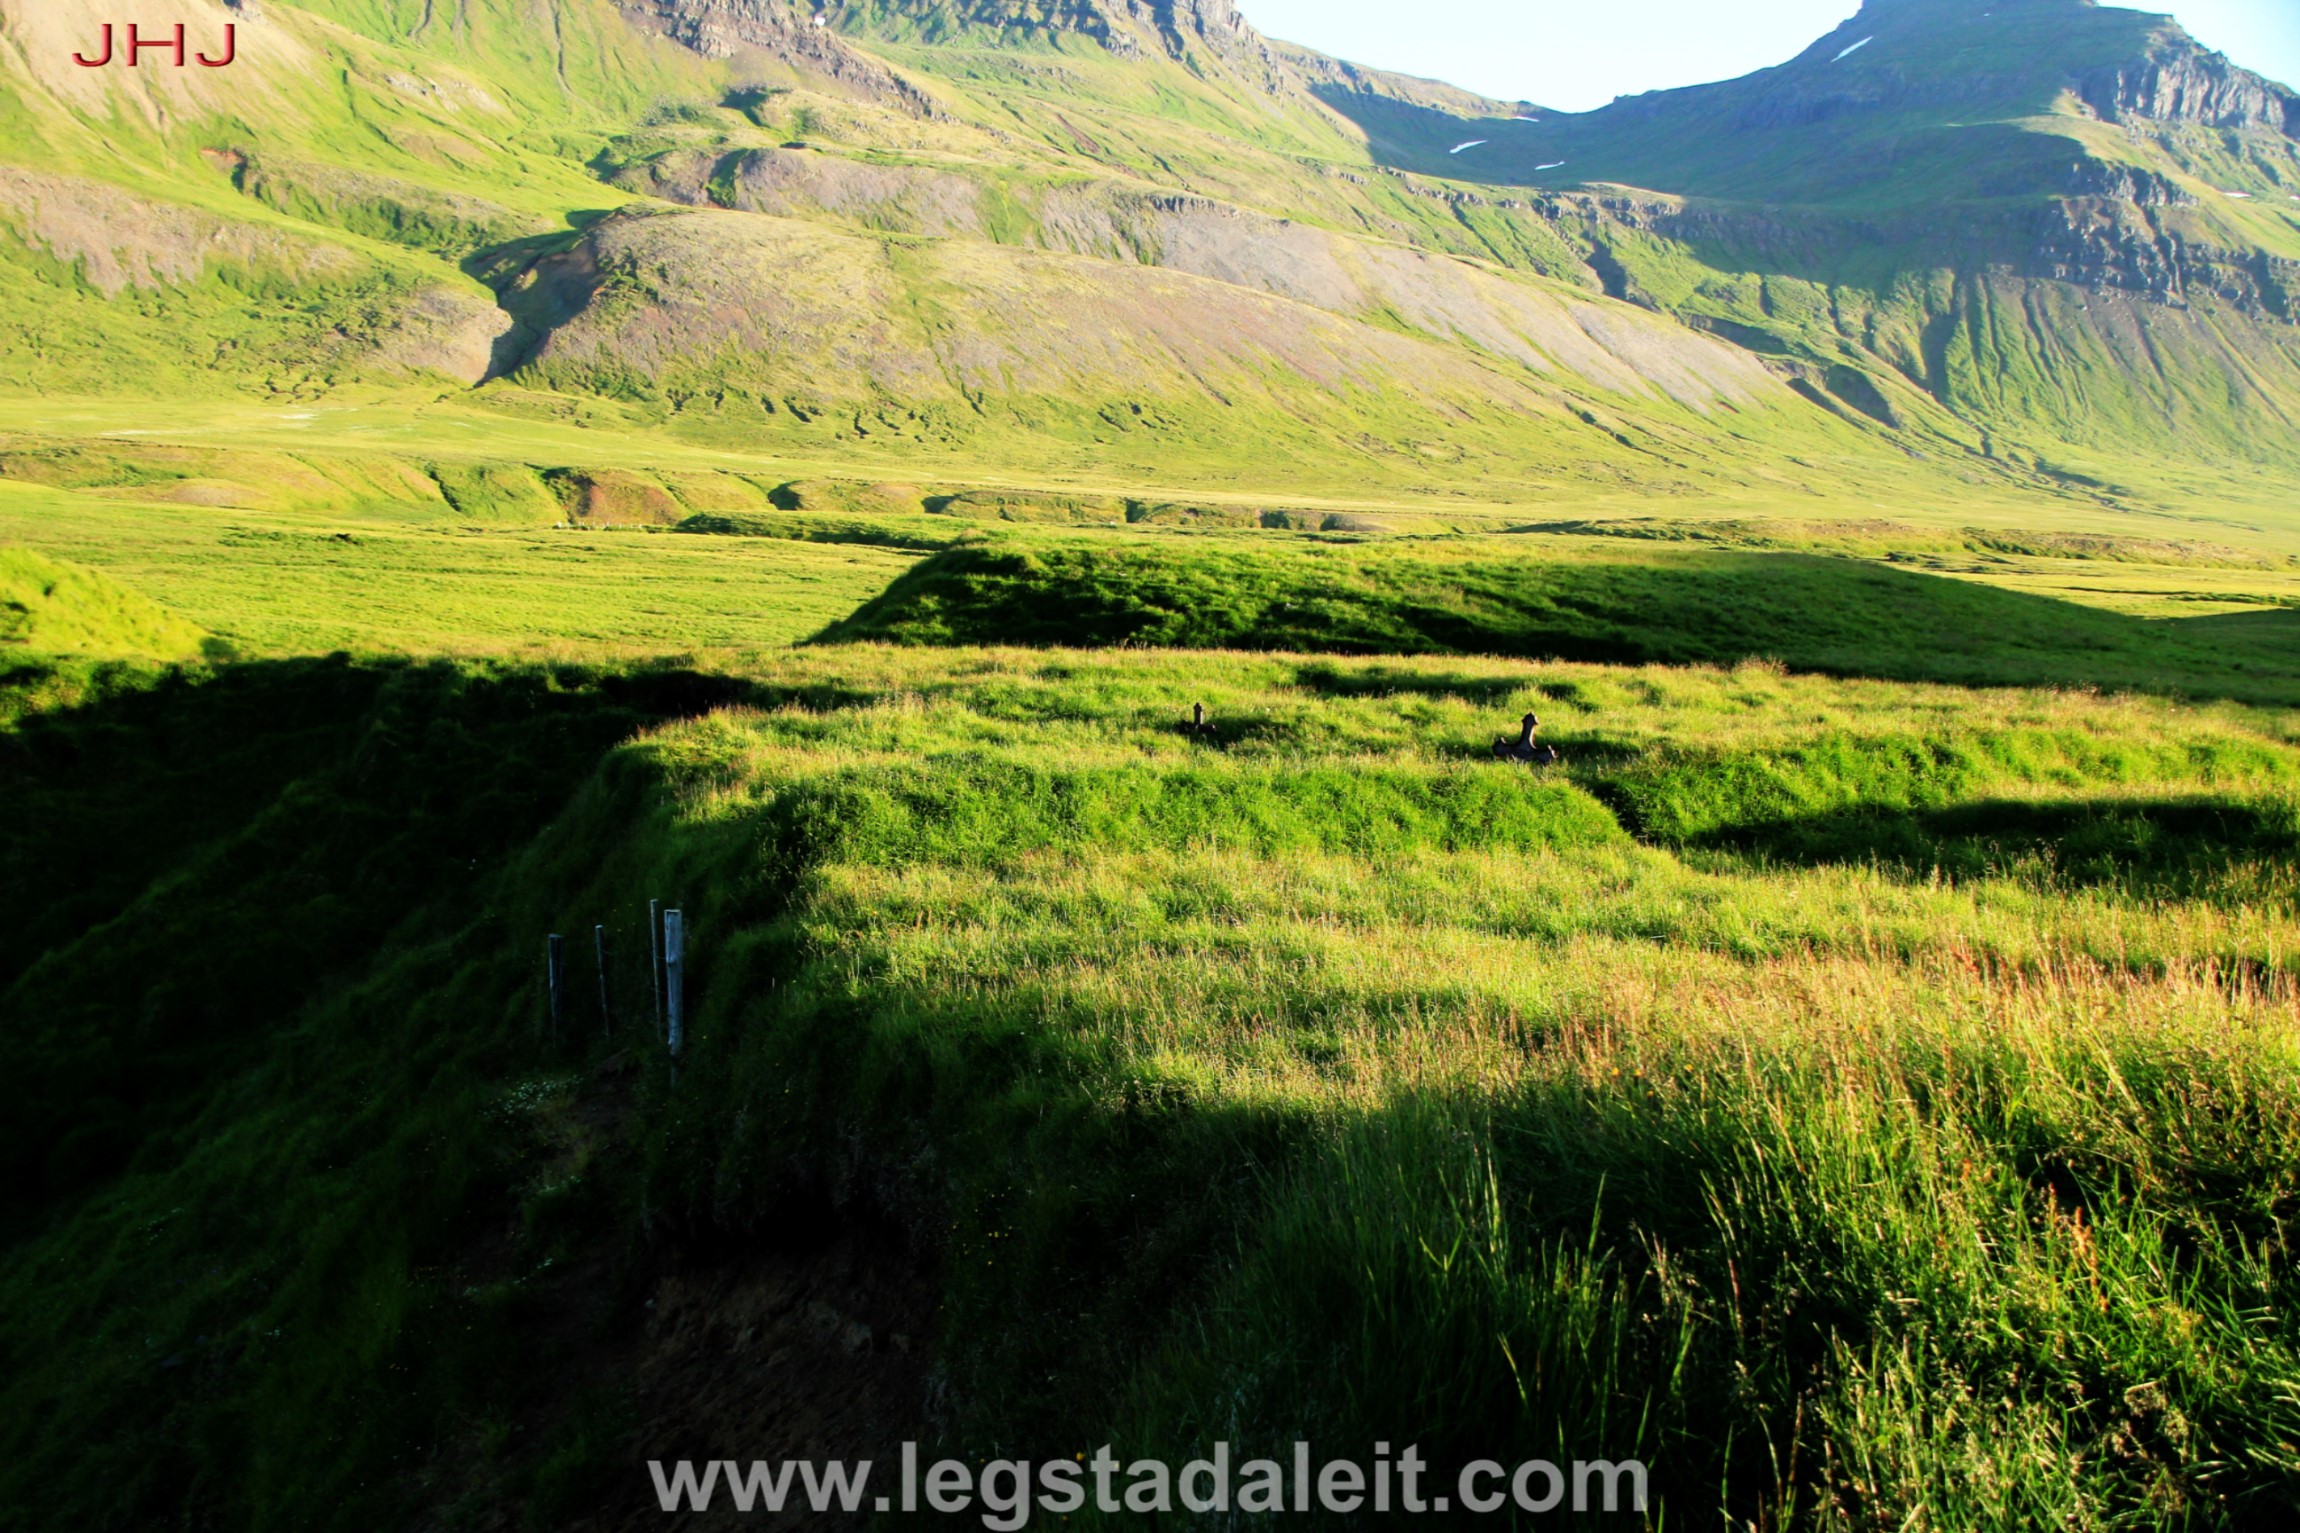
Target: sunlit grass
1845, 1188
1728, 1096
293, 583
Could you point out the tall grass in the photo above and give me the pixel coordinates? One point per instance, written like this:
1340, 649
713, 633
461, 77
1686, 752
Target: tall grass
1942, 1248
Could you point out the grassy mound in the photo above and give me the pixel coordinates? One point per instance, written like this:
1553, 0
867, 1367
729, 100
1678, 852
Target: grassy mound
50, 607
917, 532
1321, 1078
1512, 597
508, 494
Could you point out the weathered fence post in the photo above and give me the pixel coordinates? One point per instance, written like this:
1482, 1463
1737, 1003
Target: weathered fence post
655, 950
606, 1008
674, 975
555, 966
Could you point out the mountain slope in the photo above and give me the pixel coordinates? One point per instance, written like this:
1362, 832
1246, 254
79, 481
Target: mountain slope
1946, 245
278, 224
441, 215
1924, 101
1230, 346
2068, 224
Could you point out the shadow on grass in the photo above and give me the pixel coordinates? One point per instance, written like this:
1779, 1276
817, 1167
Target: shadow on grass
1088, 1205
535, 307
1388, 681
190, 857
2162, 847
2272, 635
1832, 616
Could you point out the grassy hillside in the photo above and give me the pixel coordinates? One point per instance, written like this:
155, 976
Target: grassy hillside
990, 240
1132, 1050
291, 224
52, 608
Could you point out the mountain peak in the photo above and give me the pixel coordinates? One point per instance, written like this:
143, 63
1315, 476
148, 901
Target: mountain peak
2122, 64
1871, 9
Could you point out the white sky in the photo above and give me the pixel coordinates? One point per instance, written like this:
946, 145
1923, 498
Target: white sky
1574, 55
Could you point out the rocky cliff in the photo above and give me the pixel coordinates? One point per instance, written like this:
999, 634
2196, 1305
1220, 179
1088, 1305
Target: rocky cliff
1125, 27
784, 31
2179, 81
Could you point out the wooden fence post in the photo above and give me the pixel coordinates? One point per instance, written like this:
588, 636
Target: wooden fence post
674, 975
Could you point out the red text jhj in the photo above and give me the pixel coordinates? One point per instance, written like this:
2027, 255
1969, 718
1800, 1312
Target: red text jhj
139, 45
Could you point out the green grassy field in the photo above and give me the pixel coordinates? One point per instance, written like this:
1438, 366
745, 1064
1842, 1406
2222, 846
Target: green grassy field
1863, 1099
375, 537
1828, 1139
2225, 504
277, 584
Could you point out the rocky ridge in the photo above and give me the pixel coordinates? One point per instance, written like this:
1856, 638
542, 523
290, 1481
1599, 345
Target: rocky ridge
2181, 81
789, 34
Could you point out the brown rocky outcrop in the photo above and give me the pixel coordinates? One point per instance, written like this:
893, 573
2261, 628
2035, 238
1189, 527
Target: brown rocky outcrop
787, 33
